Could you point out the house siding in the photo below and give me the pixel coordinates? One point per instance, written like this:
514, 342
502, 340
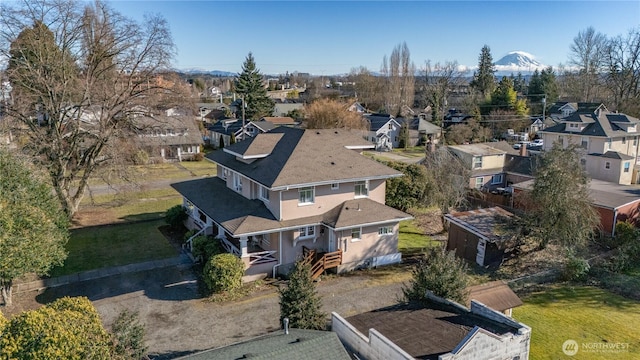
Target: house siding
360, 253
325, 199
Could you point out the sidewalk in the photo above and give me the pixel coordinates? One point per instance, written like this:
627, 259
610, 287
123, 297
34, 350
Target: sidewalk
182, 260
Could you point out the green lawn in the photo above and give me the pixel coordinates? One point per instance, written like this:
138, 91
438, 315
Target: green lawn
131, 206
412, 240
112, 245
588, 315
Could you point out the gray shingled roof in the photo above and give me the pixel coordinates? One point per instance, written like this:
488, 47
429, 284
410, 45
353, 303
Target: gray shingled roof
613, 155
304, 157
183, 125
602, 124
483, 221
524, 165
241, 216
495, 294
424, 332
263, 145
602, 193
298, 344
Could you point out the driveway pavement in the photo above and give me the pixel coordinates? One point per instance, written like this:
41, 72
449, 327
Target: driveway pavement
178, 320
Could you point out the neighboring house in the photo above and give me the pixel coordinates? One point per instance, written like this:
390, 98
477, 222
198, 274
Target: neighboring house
496, 295
609, 142
222, 131
211, 111
254, 128
169, 137
478, 235
290, 344
562, 109
290, 194
384, 131
357, 107
281, 120
518, 168
442, 330
486, 162
284, 107
429, 131
538, 124
455, 117
613, 202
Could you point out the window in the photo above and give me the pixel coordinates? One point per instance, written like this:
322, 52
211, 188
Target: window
561, 140
584, 143
335, 186
607, 165
496, 179
264, 193
356, 234
237, 182
390, 126
225, 173
307, 232
607, 145
626, 166
479, 182
361, 189
477, 162
635, 141
385, 230
583, 163
624, 140
306, 195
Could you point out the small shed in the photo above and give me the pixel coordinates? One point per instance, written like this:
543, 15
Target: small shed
496, 295
476, 235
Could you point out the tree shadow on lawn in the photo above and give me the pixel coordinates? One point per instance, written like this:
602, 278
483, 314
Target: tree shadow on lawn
172, 283
580, 295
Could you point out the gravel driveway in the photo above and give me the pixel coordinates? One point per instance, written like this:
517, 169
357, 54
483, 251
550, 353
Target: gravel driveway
179, 321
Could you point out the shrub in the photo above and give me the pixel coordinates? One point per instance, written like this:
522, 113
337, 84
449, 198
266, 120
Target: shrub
206, 247
627, 257
198, 157
440, 272
575, 269
141, 158
175, 216
625, 233
223, 272
128, 336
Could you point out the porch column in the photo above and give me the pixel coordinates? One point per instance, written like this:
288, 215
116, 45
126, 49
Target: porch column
243, 247
220, 232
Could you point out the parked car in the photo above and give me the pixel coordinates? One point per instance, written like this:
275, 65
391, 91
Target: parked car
521, 144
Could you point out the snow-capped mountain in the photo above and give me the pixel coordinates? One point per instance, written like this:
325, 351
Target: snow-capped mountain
518, 61
200, 71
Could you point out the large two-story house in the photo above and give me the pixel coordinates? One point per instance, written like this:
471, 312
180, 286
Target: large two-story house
291, 192
609, 142
485, 161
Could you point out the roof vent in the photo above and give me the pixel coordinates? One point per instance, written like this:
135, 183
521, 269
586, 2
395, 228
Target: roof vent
336, 131
359, 207
318, 132
333, 163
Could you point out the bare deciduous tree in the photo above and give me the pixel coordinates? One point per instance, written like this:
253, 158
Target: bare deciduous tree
440, 80
368, 88
399, 80
329, 114
622, 61
447, 179
587, 54
80, 73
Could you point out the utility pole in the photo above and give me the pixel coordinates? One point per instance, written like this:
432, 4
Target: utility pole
243, 106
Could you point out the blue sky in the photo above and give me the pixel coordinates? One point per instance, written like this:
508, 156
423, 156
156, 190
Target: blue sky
332, 37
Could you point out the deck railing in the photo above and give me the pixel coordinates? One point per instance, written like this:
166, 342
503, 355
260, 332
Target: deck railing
321, 262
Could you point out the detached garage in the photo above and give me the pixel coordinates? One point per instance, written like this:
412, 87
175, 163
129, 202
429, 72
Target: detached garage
476, 235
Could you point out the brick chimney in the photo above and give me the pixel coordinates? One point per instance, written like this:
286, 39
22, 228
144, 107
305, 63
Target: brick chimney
523, 150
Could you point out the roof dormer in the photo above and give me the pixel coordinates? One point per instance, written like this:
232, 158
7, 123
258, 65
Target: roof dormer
261, 147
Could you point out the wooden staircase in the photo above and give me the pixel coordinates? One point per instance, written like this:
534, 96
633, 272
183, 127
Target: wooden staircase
320, 261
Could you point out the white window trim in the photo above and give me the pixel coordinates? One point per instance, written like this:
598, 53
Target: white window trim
313, 195
306, 233
496, 182
481, 184
358, 238
263, 188
626, 167
237, 182
477, 165
366, 188
335, 186
386, 230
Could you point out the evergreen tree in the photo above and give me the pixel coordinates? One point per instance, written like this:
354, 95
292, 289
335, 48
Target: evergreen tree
221, 142
504, 97
403, 139
440, 272
250, 87
562, 211
299, 301
520, 84
550, 85
536, 88
483, 80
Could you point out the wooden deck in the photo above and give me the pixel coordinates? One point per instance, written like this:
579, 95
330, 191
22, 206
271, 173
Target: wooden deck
321, 261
